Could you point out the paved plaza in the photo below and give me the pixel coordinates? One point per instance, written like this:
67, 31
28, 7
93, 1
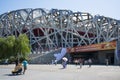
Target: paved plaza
52, 72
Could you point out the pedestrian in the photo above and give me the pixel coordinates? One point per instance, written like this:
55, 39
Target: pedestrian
76, 61
16, 62
89, 62
55, 62
80, 62
107, 61
52, 62
25, 63
6, 61
64, 62
17, 69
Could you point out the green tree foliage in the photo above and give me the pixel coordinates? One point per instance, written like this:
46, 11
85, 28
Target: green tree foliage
16, 47
3, 47
10, 42
22, 47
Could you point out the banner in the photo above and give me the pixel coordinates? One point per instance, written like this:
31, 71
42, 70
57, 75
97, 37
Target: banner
93, 47
59, 56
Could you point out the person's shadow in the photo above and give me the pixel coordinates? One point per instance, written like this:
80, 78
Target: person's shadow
62, 68
12, 74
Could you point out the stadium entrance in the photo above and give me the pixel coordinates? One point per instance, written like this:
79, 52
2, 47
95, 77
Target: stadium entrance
84, 56
98, 57
99, 53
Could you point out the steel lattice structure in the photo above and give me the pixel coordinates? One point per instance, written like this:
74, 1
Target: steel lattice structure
50, 29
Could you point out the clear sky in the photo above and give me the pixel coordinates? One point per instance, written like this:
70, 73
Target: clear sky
108, 8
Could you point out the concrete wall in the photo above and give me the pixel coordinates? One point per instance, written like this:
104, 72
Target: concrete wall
45, 58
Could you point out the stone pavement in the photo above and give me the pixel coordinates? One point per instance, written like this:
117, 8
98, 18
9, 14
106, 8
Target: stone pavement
52, 72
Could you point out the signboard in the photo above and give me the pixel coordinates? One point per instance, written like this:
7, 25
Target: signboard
94, 47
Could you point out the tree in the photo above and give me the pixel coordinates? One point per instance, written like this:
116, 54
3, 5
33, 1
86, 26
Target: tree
2, 48
10, 42
6, 46
16, 47
22, 46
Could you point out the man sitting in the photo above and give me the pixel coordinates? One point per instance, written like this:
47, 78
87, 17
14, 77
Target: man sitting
18, 69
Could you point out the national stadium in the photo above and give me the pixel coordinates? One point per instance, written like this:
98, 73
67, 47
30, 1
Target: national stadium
82, 35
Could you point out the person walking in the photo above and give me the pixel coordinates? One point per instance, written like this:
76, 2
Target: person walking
107, 61
64, 62
80, 62
89, 62
25, 63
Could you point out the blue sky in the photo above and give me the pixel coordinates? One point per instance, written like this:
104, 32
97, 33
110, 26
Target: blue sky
108, 8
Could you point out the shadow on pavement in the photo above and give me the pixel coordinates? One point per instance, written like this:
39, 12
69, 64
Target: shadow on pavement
62, 68
12, 75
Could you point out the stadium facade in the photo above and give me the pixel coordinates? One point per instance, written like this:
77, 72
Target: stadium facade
53, 29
